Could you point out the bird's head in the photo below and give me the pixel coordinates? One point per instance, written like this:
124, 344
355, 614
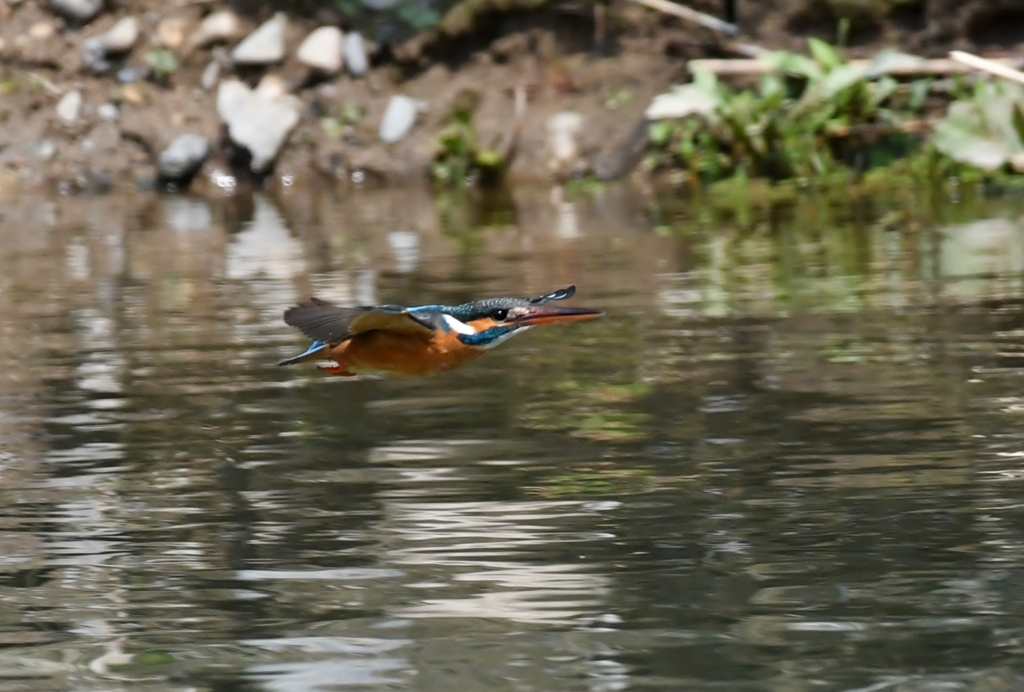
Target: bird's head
487, 323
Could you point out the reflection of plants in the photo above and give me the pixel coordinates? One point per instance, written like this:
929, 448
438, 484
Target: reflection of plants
459, 156
595, 412
609, 480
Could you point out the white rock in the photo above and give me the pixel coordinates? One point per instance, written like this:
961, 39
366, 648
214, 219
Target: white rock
69, 107
108, 112
46, 150
270, 88
94, 54
259, 125
219, 26
232, 96
563, 129
122, 36
40, 31
116, 40
323, 50
183, 158
680, 102
399, 117
170, 32
77, 10
210, 75
263, 46
355, 54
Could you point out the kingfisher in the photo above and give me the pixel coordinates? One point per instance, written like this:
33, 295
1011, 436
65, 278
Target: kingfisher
421, 340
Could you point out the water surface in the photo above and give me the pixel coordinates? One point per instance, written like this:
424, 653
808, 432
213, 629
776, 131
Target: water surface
790, 457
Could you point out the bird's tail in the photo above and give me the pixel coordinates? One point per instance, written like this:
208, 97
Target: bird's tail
314, 352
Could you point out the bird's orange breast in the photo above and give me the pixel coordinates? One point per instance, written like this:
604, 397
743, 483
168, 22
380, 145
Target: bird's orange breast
403, 354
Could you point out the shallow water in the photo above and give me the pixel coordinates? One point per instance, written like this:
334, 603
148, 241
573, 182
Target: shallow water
790, 457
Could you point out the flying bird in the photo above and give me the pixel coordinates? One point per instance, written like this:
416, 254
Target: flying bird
421, 340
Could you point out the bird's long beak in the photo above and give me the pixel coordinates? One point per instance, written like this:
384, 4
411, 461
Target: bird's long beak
550, 314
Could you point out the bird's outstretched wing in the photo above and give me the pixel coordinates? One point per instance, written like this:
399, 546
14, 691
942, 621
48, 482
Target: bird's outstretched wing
326, 323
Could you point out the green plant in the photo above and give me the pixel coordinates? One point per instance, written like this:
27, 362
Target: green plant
336, 127
163, 63
986, 130
810, 116
459, 157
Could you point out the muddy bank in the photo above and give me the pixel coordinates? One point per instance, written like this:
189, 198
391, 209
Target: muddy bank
149, 94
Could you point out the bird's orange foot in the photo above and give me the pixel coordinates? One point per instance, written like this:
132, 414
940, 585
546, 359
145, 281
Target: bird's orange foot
339, 370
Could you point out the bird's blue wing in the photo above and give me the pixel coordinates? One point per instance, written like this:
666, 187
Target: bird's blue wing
315, 349
389, 318
331, 324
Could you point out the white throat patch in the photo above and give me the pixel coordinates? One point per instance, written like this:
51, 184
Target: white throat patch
457, 326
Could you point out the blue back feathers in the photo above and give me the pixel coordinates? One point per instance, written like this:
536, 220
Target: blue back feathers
479, 309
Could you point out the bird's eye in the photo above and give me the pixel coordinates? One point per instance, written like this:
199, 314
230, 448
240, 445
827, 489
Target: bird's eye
501, 314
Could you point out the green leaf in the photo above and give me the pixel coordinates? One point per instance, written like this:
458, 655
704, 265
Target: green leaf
826, 55
843, 31
1018, 121
706, 80
998, 110
771, 85
919, 89
889, 60
489, 158
350, 113
682, 101
794, 64
963, 137
419, 15
842, 77
332, 129
348, 8
659, 132
163, 62
884, 88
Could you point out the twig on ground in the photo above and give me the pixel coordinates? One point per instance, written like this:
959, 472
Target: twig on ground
993, 67
683, 12
875, 129
510, 141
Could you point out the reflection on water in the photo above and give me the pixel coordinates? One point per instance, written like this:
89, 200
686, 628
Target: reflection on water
786, 460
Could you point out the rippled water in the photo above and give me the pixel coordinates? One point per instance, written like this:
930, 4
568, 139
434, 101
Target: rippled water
790, 458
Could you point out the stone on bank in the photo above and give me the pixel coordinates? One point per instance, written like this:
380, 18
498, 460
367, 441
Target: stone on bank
259, 125
183, 158
264, 46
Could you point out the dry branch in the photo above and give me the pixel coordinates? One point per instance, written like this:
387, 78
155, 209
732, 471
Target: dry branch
993, 67
877, 129
683, 12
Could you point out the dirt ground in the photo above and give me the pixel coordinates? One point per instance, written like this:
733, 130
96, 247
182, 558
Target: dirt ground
558, 56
